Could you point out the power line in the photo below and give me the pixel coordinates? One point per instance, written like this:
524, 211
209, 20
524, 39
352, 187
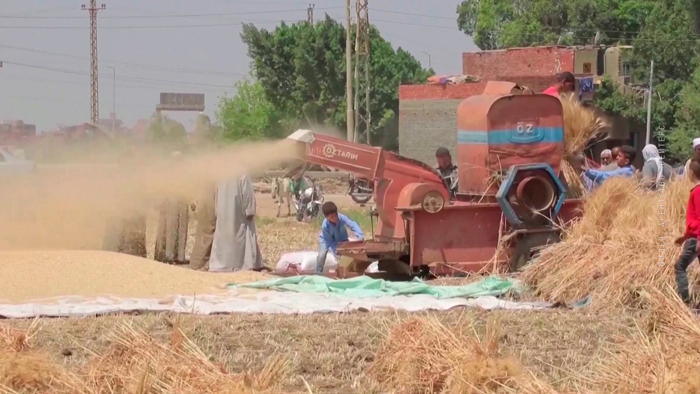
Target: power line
123, 78
150, 86
125, 64
412, 14
145, 26
168, 15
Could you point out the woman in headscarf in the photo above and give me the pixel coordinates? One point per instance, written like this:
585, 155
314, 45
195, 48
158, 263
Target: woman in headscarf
655, 171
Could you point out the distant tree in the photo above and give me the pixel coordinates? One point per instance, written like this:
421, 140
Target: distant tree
166, 133
301, 71
249, 115
495, 24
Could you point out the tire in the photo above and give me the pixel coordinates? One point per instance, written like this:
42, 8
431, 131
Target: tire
360, 200
395, 267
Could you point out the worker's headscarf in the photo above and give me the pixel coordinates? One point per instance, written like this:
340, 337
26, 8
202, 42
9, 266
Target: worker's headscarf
696, 143
651, 153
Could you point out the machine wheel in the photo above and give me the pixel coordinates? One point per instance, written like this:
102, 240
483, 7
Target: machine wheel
395, 267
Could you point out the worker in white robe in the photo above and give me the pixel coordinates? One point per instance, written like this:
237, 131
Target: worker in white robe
235, 244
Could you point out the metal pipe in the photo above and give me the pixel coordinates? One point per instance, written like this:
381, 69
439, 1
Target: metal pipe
651, 91
348, 75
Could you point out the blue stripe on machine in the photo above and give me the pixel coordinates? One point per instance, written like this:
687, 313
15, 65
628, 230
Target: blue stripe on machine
511, 136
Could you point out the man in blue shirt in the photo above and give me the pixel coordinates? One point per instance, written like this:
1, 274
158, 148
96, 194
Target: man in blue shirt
624, 161
333, 231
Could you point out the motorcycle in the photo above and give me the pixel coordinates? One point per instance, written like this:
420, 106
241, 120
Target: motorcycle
308, 203
360, 190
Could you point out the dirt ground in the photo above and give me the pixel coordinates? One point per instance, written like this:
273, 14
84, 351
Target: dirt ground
267, 207
334, 353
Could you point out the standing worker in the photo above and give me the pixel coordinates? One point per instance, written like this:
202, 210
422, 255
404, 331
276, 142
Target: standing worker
447, 169
696, 154
624, 161
612, 165
689, 239
334, 230
205, 212
566, 82
173, 223
655, 171
235, 245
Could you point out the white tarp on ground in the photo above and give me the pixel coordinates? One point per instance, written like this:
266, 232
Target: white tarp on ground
268, 302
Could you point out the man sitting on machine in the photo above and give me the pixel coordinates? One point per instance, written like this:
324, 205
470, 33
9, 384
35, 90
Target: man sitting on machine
447, 170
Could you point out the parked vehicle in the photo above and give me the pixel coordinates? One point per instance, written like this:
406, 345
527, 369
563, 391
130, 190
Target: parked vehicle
360, 190
14, 165
308, 203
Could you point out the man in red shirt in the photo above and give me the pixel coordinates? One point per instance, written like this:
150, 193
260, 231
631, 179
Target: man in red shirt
565, 84
692, 231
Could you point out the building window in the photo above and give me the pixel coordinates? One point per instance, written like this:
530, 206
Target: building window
587, 68
626, 69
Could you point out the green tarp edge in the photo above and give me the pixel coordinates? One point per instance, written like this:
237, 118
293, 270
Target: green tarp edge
366, 287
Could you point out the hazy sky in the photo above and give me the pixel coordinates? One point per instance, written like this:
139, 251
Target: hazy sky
45, 48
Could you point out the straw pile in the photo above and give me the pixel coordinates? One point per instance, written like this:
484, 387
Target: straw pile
663, 355
580, 125
134, 363
421, 355
622, 244
35, 275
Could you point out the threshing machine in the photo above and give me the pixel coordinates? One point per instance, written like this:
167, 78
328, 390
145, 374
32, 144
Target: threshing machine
510, 199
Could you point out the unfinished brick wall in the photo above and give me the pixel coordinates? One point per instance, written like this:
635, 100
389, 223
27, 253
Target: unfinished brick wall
535, 61
428, 118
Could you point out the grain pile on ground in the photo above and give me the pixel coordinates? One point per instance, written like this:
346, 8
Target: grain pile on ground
133, 363
35, 275
622, 244
421, 355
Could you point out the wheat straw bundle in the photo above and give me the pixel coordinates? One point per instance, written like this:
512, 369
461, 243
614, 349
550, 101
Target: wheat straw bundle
422, 355
661, 357
622, 244
580, 125
134, 363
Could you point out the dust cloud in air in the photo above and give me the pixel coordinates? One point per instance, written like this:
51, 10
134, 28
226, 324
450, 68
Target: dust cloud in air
68, 206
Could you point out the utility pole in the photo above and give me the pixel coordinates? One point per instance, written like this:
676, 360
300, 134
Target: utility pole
348, 74
114, 97
651, 90
94, 94
363, 114
430, 61
310, 13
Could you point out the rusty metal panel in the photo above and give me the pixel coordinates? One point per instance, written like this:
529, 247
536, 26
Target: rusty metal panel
472, 236
495, 132
181, 102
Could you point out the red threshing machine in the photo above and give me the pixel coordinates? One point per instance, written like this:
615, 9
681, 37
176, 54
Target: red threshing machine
510, 148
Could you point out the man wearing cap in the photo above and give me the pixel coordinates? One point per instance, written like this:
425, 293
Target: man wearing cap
612, 165
447, 170
565, 84
696, 154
